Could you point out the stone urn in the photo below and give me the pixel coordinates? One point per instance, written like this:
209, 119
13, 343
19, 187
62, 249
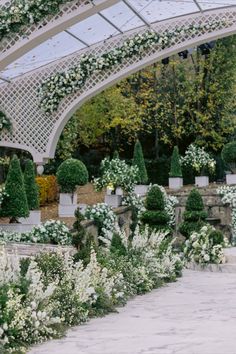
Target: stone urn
141, 189
112, 198
34, 218
67, 204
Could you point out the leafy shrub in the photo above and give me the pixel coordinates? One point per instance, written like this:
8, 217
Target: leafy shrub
175, 168
194, 215
15, 203
229, 155
138, 161
70, 174
155, 216
216, 237
155, 199
48, 189
31, 187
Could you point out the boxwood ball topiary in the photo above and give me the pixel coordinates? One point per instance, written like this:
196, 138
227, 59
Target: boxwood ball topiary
175, 169
15, 205
31, 187
70, 174
228, 154
194, 201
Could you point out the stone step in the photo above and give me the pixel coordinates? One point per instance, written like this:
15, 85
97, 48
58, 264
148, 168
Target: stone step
230, 255
217, 268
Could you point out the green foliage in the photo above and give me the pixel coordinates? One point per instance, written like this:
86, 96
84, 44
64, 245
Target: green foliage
194, 215
117, 245
229, 154
217, 237
175, 169
194, 201
155, 215
116, 155
71, 173
15, 204
155, 199
138, 160
31, 187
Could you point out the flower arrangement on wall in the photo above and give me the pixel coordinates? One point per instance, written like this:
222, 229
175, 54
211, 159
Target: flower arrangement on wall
199, 160
61, 84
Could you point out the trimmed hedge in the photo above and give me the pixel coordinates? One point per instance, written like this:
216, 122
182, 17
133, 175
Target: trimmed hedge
229, 154
138, 161
31, 187
48, 189
175, 167
194, 215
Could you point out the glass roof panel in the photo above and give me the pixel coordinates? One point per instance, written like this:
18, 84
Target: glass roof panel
57, 47
92, 30
122, 17
162, 10
211, 4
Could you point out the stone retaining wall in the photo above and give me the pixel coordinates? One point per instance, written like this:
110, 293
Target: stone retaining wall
32, 249
213, 206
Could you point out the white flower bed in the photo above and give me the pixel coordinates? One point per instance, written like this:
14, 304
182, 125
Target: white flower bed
200, 248
52, 291
59, 85
52, 231
228, 196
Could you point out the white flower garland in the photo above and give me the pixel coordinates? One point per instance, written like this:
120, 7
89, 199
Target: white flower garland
59, 85
18, 13
5, 123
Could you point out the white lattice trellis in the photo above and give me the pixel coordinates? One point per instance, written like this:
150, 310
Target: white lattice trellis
38, 133
17, 44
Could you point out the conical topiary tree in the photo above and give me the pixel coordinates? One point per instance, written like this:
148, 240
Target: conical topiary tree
138, 161
116, 155
155, 215
15, 205
194, 215
31, 187
175, 167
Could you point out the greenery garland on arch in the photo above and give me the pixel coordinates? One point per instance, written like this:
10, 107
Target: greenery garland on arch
5, 123
61, 84
19, 13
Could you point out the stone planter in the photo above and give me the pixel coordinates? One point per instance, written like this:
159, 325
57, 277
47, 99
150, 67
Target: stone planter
231, 178
141, 189
68, 198
67, 204
119, 191
34, 218
113, 200
202, 181
175, 182
20, 228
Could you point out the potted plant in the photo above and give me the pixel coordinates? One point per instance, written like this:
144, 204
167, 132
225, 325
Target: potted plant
201, 162
70, 174
194, 215
15, 203
118, 178
228, 155
32, 193
138, 160
176, 177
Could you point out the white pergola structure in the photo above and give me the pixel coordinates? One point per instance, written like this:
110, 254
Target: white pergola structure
57, 44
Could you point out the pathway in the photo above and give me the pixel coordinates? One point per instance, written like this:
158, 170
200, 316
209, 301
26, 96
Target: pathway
196, 315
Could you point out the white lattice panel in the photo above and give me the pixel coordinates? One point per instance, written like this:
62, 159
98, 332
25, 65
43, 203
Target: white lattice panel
38, 133
16, 44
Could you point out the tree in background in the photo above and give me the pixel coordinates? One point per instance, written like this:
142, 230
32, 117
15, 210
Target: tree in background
15, 205
138, 161
175, 167
31, 187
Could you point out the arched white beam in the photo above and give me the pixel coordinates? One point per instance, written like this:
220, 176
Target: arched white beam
38, 132
13, 47
79, 101
37, 157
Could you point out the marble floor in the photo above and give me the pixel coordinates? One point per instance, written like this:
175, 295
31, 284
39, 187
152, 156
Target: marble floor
195, 315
